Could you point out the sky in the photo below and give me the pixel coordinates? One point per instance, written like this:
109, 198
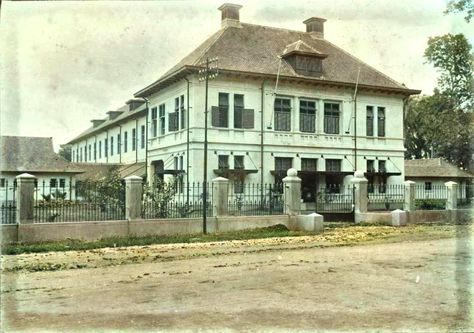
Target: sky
65, 63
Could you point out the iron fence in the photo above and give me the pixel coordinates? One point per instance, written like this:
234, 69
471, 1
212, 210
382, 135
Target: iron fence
335, 199
430, 197
385, 196
176, 200
8, 203
87, 201
465, 195
255, 199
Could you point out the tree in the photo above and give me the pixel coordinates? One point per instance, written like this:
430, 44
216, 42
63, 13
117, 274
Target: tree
65, 152
457, 6
450, 55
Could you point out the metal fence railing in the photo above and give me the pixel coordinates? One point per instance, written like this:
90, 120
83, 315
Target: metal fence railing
87, 201
465, 195
335, 199
255, 199
430, 197
176, 200
8, 202
385, 196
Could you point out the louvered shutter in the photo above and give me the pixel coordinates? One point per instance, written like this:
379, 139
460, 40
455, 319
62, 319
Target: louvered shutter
248, 118
215, 116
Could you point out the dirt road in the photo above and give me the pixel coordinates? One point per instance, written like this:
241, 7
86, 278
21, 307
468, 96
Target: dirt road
409, 286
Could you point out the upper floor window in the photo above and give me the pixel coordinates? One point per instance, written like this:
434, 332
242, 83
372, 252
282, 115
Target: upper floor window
162, 119
283, 163
142, 141
111, 146
125, 141
333, 165
223, 161
220, 115
309, 164
119, 144
382, 166
370, 121
134, 139
181, 106
154, 121
331, 118
282, 110
307, 116
381, 121
239, 162
370, 166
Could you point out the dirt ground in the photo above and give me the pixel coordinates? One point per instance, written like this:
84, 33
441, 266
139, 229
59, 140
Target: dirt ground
278, 285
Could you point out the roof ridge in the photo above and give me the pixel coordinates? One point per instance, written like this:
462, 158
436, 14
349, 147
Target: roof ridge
371, 67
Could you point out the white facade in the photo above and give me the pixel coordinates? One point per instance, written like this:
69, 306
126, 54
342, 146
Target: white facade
294, 143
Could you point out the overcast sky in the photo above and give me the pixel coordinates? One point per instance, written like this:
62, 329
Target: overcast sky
65, 63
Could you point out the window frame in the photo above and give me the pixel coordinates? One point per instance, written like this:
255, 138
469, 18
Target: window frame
282, 114
162, 119
369, 121
332, 118
381, 121
306, 117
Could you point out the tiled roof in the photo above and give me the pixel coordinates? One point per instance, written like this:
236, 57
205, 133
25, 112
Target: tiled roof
256, 49
433, 168
98, 171
32, 154
126, 114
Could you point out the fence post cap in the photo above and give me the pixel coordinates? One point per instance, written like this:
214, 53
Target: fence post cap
25, 176
359, 174
409, 182
133, 178
450, 183
292, 172
220, 180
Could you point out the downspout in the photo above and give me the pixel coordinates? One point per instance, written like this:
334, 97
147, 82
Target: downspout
187, 133
261, 133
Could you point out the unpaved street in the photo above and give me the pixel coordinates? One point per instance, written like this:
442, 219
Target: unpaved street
408, 286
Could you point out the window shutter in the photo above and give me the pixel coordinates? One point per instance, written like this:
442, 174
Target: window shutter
170, 122
248, 118
215, 116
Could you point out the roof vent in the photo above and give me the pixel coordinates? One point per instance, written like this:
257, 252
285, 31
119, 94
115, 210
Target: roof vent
315, 26
230, 15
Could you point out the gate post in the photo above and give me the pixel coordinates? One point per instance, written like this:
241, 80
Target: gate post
25, 198
220, 196
409, 200
133, 197
360, 192
292, 192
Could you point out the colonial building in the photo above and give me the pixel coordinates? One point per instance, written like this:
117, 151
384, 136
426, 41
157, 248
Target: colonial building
36, 156
278, 99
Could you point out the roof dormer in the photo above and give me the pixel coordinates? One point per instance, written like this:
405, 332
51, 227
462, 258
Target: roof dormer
304, 59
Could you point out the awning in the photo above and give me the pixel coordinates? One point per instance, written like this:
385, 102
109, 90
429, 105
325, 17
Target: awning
233, 173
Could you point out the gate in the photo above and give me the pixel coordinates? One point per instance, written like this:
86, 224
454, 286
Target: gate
336, 203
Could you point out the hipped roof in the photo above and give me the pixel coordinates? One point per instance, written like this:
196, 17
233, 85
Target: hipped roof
433, 168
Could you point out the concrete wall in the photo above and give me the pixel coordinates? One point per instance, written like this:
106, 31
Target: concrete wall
421, 216
90, 231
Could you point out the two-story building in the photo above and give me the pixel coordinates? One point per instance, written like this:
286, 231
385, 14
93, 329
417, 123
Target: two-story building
278, 99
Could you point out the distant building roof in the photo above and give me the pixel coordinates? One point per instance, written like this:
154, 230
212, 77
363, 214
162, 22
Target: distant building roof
257, 49
98, 171
433, 168
32, 154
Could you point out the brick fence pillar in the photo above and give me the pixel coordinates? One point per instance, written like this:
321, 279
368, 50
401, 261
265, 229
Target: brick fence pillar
292, 192
409, 201
25, 198
220, 196
133, 197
